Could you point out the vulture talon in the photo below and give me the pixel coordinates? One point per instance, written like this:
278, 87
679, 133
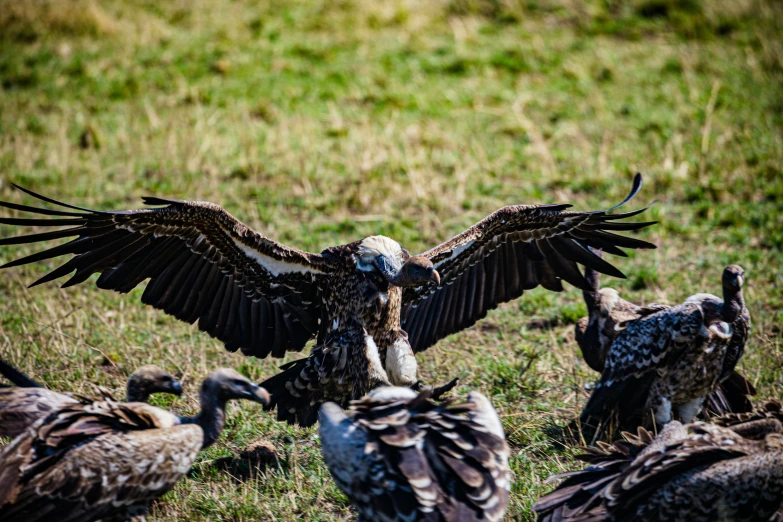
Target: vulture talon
433, 392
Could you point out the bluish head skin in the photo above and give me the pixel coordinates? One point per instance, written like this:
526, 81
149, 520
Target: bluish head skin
385, 256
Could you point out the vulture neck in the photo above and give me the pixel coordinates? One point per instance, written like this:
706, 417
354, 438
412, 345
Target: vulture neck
733, 304
592, 351
211, 418
728, 311
135, 392
592, 297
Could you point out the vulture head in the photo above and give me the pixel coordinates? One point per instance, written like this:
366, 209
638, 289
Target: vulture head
385, 256
151, 379
226, 384
733, 279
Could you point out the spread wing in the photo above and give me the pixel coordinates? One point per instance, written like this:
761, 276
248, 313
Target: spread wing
645, 347
250, 292
514, 249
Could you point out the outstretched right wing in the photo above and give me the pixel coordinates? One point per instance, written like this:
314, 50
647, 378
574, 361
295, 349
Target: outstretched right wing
250, 292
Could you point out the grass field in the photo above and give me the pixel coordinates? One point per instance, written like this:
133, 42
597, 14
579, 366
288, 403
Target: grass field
321, 122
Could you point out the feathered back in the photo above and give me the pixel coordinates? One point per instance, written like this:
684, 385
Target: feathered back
49, 440
411, 458
685, 473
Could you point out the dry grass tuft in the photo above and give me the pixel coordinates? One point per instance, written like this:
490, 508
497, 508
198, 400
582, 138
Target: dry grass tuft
30, 20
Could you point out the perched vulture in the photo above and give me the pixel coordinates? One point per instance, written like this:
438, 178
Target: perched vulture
263, 298
668, 362
107, 460
26, 402
609, 314
401, 456
695, 473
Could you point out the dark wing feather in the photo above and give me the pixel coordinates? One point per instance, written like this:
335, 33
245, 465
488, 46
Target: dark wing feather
16, 376
199, 260
422, 460
706, 445
514, 249
623, 476
731, 396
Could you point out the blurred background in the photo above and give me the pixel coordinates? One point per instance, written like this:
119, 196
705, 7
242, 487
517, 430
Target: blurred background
321, 122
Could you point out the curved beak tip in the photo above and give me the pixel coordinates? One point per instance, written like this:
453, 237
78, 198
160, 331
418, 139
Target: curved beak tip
435, 276
261, 396
176, 388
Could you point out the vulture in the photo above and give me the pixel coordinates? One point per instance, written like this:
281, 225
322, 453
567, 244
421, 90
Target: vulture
399, 455
107, 460
609, 314
27, 401
264, 298
693, 473
666, 363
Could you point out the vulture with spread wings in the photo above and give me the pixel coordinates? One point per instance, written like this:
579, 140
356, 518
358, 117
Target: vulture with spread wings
378, 303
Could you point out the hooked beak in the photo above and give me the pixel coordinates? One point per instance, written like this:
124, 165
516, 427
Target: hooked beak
435, 277
176, 388
259, 395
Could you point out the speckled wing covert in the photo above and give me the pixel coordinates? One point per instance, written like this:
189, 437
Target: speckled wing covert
408, 458
699, 473
639, 352
514, 249
94, 461
250, 292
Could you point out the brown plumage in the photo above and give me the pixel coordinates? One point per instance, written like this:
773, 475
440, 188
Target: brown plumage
26, 402
609, 314
399, 456
108, 460
694, 473
668, 362
263, 298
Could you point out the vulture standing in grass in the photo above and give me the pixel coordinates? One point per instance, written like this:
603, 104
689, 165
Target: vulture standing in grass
27, 401
368, 304
668, 362
107, 460
400, 456
694, 473
609, 314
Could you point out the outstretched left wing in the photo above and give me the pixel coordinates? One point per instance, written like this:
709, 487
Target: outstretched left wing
514, 249
204, 265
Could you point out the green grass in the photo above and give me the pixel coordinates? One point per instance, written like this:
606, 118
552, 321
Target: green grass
321, 122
